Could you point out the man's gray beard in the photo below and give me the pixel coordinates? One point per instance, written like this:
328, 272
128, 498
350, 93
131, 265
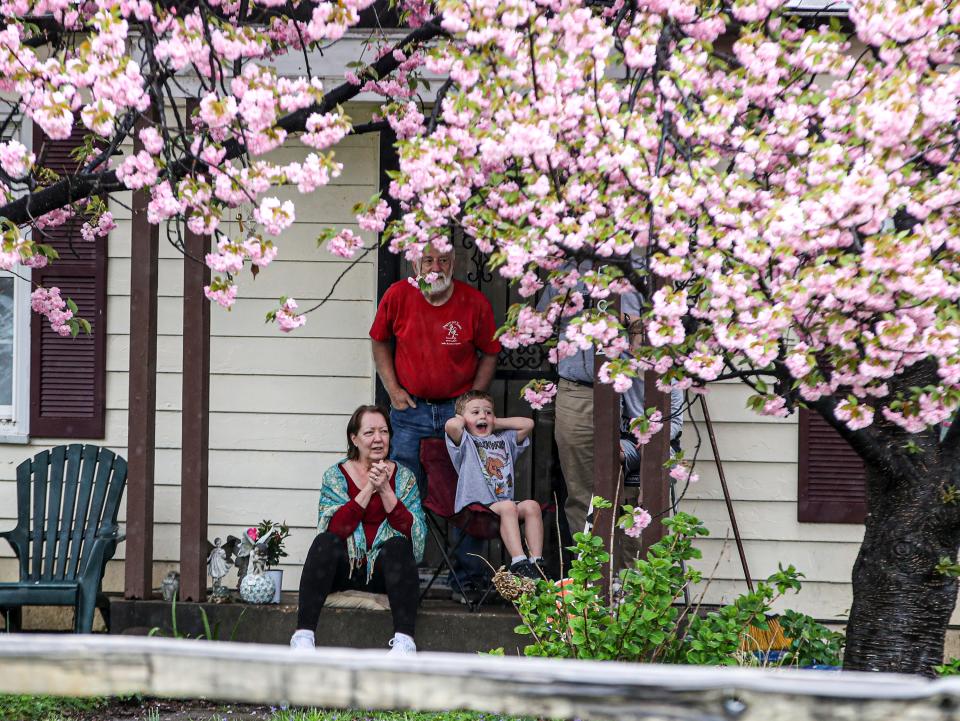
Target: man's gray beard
440, 285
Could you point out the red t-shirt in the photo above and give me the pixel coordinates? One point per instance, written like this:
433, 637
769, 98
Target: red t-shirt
345, 521
436, 353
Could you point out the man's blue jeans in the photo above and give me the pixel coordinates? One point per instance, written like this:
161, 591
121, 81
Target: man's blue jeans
410, 426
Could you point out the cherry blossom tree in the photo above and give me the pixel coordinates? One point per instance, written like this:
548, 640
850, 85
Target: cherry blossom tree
781, 190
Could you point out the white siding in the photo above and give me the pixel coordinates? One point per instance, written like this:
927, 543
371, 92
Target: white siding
759, 457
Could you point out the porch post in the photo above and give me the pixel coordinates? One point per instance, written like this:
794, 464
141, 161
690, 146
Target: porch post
606, 458
195, 417
655, 487
141, 417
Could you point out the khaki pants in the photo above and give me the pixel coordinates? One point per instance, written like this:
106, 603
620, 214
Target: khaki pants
574, 434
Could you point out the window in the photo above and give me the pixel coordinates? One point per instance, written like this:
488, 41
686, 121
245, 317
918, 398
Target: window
7, 320
15, 339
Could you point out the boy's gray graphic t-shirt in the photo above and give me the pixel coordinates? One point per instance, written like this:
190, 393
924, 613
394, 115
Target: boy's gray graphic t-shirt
485, 467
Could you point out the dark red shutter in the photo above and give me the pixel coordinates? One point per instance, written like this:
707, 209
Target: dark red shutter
68, 375
832, 485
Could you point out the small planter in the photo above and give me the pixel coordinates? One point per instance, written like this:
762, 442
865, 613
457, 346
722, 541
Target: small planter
277, 575
257, 588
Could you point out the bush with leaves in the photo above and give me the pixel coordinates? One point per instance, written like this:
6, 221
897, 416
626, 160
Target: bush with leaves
950, 667
647, 620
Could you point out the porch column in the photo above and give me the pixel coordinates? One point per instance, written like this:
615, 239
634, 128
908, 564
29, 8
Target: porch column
654, 479
141, 417
606, 458
656, 482
195, 428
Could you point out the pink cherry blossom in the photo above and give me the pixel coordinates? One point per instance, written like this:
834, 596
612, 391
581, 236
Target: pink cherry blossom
640, 520
274, 215
539, 393
223, 295
287, 317
15, 160
345, 243
49, 303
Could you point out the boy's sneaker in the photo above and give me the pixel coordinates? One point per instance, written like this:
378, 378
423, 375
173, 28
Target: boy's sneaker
525, 569
541, 569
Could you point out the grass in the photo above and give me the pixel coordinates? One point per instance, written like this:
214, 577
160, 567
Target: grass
44, 708
56, 708
355, 715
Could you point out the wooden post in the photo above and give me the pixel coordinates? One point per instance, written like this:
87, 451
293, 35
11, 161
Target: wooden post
655, 486
606, 458
388, 264
195, 420
141, 416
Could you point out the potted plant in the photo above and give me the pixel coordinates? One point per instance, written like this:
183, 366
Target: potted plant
269, 537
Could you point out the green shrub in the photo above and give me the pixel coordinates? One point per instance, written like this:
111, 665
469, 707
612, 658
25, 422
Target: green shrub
948, 668
647, 619
811, 642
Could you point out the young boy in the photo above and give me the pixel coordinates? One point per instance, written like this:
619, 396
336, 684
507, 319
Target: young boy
483, 449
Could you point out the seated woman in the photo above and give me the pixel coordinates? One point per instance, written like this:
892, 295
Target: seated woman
371, 532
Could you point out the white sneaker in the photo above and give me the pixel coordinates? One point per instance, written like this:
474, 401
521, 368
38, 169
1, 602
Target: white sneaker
402, 645
303, 639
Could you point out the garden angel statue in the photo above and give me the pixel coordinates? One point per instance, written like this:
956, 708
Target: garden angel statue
218, 567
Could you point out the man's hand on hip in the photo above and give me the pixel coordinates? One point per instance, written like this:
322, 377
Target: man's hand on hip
401, 400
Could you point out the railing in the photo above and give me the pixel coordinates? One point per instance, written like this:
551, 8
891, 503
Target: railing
544, 688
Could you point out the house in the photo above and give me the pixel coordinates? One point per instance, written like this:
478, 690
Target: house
278, 404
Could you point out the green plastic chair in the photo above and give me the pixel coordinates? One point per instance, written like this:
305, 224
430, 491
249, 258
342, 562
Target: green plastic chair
67, 504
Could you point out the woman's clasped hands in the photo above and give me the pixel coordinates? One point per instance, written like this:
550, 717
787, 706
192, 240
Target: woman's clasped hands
379, 475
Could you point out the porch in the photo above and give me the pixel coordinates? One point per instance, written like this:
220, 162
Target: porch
538, 479
442, 625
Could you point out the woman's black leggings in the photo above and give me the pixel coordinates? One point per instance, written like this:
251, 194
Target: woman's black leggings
327, 569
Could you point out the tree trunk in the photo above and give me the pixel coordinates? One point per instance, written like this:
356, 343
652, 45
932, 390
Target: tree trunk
901, 603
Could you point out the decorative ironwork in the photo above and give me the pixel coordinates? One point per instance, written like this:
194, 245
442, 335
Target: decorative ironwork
516, 363
531, 357
477, 272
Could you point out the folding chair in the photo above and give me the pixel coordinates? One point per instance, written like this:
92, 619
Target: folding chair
474, 520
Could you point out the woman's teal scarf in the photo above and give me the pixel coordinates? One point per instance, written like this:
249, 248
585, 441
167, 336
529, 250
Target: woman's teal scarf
334, 495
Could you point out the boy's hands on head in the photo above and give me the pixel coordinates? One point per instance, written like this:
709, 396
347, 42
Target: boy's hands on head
454, 428
523, 426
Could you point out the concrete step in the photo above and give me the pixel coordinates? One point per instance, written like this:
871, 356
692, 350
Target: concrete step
442, 625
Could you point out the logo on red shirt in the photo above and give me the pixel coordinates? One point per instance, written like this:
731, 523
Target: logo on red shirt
453, 329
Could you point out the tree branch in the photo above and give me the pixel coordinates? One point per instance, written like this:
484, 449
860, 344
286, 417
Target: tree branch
79, 187
371, 127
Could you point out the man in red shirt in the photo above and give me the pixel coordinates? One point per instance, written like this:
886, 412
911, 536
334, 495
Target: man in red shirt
430, 346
